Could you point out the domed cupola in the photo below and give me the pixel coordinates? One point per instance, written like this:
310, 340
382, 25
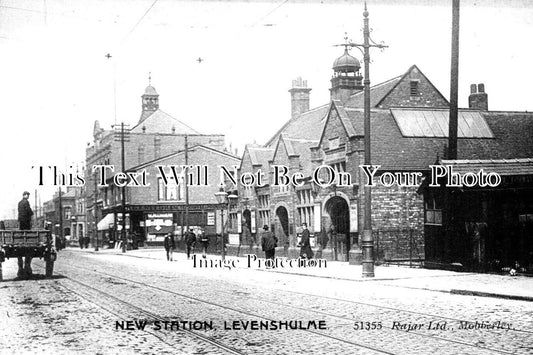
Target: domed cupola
346, 63
346, 78
150, 100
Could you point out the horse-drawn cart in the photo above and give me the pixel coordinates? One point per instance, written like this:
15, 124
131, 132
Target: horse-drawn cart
27, 244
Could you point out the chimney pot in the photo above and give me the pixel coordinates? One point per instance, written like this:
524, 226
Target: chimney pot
478, 99
299, 97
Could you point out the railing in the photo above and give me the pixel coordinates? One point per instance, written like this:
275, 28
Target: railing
399, 246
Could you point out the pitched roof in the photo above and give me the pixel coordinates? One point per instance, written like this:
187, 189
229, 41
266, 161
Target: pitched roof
500, 166
308, 125
416, 122
182, 152
162, 122
377, 93
393, 151
259, 155
403, 77
302, 149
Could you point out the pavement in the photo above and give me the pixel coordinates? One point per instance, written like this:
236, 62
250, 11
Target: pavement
460, 283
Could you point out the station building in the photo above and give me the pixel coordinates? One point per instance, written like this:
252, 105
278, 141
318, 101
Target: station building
409, 133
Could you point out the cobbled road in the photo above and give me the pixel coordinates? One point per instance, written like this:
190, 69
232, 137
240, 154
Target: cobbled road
113, 304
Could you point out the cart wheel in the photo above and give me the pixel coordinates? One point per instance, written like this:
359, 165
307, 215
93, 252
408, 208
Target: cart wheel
49, 268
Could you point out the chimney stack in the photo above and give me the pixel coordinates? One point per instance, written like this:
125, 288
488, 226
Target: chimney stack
478, 99
299, 97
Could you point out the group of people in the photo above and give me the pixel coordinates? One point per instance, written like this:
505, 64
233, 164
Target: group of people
191, 239
269, 242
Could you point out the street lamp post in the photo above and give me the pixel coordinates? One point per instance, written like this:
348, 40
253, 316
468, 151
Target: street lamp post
223, 198
367, 239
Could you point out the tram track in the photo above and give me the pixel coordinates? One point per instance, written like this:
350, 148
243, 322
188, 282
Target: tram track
154, 316
150, 315
314, 311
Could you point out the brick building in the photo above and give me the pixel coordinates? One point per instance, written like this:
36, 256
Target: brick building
71, 206
409, 128
154, 136
165, 205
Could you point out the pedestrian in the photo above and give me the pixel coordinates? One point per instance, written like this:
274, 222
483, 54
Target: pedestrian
269, 242
135, 240
170, 245
190, 240
323, 241
25, 212
59, 245
204, 240
24, 217
305, 244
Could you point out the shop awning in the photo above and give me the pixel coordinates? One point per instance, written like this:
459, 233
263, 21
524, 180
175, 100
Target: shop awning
104, 223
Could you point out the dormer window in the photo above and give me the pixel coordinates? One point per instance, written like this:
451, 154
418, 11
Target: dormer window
414, 88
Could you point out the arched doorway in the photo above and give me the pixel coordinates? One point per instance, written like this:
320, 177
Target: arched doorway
339, 213
282, 226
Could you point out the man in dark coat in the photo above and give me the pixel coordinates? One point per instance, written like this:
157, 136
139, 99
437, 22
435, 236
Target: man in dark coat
190, 239
170, 245
25, 214
305, 249
204, 240
269, 242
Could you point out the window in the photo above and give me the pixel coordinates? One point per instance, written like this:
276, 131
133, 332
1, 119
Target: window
304, 197
414, 88
339, 167
68, 212
433, 213
525, 218
172, 191
283, 188
248, 191
305, 207
263, 202
306, 215
80, 206
140, 155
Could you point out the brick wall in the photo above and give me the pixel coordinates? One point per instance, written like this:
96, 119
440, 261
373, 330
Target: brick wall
197, 194
428, 95
397, 221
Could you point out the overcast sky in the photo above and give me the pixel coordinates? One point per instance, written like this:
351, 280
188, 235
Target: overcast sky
56, 80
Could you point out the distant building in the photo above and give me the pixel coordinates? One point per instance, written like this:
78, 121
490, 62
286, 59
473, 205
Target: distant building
156, 136
71, 206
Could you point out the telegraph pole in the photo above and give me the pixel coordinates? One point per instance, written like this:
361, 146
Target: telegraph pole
95, 211
60, 214
454, 83
449, 199
123, 136
185, 182
367, 240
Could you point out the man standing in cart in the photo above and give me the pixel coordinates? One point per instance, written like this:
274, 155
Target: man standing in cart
25, 214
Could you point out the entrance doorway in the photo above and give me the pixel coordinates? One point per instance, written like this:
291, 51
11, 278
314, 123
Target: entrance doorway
339, 213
